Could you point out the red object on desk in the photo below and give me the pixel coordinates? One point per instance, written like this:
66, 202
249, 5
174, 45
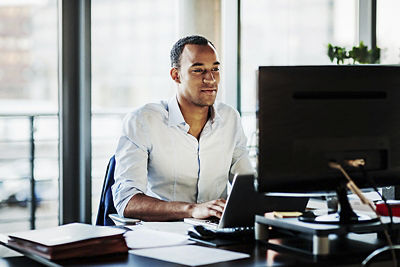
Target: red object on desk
382, 209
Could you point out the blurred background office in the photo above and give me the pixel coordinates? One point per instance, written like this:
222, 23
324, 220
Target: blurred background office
130, 44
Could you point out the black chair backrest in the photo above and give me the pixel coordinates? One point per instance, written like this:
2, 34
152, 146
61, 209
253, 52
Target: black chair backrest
106, 205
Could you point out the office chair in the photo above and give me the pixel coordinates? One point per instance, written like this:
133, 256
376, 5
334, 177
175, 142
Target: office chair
106, 205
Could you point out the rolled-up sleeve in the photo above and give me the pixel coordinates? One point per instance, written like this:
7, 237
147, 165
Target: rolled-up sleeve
131, 162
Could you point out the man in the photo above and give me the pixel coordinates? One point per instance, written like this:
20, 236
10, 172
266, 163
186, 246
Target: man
174, 158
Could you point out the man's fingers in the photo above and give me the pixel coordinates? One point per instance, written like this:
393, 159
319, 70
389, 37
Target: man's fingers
217, 208
208, 209
215, 213
219, 202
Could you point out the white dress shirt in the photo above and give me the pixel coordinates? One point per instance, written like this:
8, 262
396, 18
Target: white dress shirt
158, 157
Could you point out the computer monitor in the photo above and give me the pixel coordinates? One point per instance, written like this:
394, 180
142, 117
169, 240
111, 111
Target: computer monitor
309, 116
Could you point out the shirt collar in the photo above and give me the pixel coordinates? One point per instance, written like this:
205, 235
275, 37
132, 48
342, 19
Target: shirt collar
215, 116
176, 118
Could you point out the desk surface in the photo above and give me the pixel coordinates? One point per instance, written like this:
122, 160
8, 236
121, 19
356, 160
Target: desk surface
261, 255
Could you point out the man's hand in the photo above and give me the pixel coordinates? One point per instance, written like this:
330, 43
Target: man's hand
148, 208
208, 209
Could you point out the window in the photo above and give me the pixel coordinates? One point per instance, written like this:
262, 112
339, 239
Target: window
388, 38
131, 41
289, 32
28, 114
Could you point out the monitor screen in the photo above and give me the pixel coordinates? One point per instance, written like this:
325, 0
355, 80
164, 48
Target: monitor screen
311, 115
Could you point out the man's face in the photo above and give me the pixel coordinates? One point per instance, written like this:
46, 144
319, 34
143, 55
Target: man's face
198, 75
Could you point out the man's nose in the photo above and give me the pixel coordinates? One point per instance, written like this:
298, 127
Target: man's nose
209, 77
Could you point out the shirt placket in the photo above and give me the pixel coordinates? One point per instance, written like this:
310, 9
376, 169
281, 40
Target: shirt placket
196, 149
202, 139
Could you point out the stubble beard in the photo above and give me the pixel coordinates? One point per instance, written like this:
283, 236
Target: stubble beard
204, 102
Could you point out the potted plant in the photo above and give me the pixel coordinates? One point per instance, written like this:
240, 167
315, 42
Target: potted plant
359, 54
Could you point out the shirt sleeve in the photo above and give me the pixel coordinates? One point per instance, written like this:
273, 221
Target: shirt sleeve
131, 162
240, 160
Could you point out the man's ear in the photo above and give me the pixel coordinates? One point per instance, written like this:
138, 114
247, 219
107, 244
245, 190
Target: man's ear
175, 75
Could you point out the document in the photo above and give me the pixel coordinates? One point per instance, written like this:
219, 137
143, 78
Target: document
148, 238
171, 227
190, 255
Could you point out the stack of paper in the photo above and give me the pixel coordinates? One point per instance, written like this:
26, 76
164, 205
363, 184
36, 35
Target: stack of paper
70, 241
148, 238
190, 255
151, 240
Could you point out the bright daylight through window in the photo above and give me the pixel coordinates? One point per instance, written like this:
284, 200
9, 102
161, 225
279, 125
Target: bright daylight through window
288, 32
130, 45
28, 114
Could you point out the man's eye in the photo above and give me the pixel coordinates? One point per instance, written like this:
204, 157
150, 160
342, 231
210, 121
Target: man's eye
215, 69
198, 70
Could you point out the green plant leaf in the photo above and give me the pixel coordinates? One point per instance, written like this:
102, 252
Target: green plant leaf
359, 54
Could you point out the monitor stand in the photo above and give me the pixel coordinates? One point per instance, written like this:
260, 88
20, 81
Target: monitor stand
322, 239
345, 215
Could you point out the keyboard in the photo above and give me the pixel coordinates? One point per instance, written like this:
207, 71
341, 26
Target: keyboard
209, 223
235, 231
199, 231
213, 220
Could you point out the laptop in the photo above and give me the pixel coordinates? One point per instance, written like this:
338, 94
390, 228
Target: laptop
244, 203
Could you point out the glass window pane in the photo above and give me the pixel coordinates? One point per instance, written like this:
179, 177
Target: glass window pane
288, 32
388, 37
131, 41
291, 32
28, 90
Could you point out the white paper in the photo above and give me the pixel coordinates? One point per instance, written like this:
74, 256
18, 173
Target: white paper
3, 239
170, 227
148, 238
190, 255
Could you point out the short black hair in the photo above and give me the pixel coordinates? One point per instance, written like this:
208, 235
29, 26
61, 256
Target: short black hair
177, 49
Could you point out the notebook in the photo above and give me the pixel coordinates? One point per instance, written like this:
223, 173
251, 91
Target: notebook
244, 203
